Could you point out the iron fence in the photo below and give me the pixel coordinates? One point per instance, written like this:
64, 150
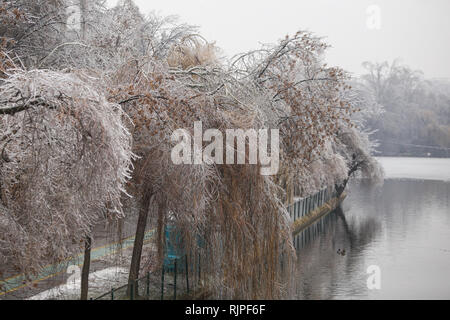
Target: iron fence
172, 282
303, 206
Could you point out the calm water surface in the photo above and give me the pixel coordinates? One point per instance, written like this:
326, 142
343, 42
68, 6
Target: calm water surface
403, 227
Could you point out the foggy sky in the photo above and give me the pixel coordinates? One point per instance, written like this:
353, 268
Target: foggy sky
417, 31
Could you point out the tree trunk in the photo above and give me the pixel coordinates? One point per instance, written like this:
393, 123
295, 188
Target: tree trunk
138, 243
85, 270
160, 234
341, 187
83, 9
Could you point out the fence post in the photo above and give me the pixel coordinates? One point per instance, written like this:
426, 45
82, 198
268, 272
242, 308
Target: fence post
292, 212
148, 285
308, 205
313, 201
162, 282
187, 275
112, 293
199, 267
299, 208
175, 280
295, 210
303, 208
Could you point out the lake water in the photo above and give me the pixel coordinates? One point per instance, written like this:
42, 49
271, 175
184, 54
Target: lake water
403, 227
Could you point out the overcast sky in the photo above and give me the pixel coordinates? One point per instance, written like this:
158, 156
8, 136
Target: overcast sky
417, 31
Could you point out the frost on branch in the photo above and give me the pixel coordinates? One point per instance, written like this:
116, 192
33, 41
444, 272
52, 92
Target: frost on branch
286, 86
66, 152
65, 156
354, 143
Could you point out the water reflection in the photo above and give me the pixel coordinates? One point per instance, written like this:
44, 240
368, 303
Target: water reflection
403, 227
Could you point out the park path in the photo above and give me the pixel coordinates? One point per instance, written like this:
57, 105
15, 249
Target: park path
17, 282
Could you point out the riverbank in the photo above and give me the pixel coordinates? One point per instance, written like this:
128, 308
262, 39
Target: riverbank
401, 226
303, 222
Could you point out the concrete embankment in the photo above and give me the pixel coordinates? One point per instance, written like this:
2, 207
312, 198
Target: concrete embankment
303, 222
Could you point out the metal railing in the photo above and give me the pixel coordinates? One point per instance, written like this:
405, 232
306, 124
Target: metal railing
303, 206
171, 282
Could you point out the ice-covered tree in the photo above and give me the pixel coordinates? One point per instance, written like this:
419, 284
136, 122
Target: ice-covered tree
66, 155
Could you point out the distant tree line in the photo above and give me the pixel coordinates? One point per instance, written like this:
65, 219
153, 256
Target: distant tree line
416, 117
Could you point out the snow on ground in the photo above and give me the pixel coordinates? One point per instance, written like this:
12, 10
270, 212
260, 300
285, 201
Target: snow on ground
99, 282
